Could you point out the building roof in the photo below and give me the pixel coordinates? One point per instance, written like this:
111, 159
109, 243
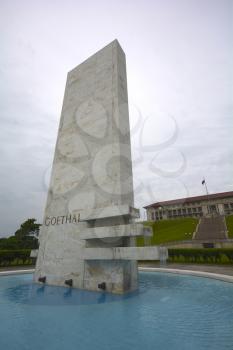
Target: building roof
191, 199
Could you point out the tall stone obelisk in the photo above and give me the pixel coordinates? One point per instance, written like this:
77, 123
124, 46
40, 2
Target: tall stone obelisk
90, 205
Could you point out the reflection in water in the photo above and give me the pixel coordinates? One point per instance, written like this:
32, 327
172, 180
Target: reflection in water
35, 294
40, 290
102, 298
68, 293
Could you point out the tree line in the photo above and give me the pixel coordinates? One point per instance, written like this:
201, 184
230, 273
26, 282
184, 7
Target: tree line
26, 237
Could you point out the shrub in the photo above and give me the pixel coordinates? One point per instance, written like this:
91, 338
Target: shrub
15, 243
212, 255
16, 257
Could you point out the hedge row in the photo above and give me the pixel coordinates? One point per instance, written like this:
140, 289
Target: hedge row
16, 257
16, 243
212, 255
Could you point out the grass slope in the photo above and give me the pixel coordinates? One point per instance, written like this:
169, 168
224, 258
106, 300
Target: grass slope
229, 222
169, 231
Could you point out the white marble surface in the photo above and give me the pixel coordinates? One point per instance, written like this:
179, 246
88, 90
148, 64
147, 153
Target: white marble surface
121, 253
129, 230
92, 172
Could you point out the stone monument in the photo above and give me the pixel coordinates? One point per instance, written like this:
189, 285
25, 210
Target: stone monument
87, 239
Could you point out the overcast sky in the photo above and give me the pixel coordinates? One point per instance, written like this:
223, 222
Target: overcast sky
179, 66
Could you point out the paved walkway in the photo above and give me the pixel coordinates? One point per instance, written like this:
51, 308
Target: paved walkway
16, 268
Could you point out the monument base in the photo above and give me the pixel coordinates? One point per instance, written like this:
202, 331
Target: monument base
114, 276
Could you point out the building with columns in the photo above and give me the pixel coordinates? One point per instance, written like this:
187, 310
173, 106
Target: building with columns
219, 203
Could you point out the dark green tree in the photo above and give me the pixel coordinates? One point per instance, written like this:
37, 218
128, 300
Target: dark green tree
26, 237
28, 228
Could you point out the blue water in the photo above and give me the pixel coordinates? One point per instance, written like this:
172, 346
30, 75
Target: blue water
168, 312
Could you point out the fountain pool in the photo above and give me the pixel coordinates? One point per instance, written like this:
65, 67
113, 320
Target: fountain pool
167, 312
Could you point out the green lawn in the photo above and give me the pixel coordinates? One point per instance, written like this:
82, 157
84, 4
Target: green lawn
229, 222
169, 231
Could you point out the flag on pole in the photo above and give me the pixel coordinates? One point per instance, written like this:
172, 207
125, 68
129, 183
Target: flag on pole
204, 183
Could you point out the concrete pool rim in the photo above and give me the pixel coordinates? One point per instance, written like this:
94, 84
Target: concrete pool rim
16, 272
217, 276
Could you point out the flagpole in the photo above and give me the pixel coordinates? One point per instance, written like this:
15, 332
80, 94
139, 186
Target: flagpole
207, 193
